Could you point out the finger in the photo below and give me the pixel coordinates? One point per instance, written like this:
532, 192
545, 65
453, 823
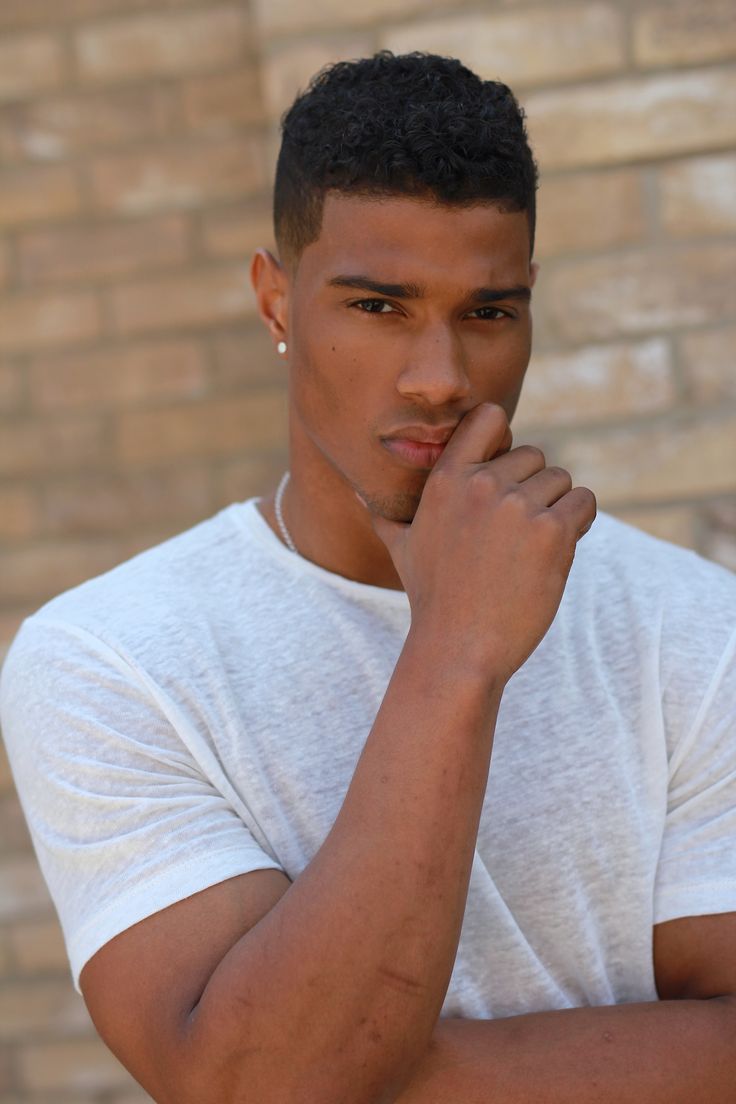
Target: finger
547, 486
578, 509
517, 465
482, 433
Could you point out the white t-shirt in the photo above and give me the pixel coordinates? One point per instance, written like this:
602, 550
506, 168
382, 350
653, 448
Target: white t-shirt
198, 712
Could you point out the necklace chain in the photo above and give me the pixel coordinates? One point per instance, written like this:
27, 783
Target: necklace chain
279, 516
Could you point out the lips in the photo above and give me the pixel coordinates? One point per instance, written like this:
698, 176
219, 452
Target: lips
418, 454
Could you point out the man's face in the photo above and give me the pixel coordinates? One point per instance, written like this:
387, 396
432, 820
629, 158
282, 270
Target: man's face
395, 321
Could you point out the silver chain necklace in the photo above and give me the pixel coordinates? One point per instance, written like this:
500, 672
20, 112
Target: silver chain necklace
279, 516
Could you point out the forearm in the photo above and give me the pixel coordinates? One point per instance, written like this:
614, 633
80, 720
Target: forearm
665, 1052
335, 993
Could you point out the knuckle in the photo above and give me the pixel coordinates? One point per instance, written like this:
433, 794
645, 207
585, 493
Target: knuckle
560, 473
532, 452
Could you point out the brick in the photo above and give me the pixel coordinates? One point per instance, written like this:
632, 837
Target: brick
155, 44
29, 64
721, 549
276, 17
676, 524
596, 383
14, 837
589, 211
237, 230
248, 477
33, 321
46, 1007
677, 33
100, 504
11, 387
38, 948
5, 966
223, 101
37, 194
188, 174
101, 251
698, 196
69, 442
655, 463
637, 292
24, 892
632, 119
213, 428
561, 42
132, 1097
708, 363
19, 514
205, 297
6, 779
6, 1075
4, 263
287, 69
124, 374
719, 522
74, 1066
41, 571
32, 13
67, 125
246, 358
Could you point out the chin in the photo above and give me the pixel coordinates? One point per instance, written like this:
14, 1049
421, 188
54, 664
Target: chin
399, 506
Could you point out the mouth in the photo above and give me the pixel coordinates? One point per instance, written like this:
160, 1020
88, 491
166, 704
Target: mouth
416, 454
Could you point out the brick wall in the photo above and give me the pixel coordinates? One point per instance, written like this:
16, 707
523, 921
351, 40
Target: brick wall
138, 393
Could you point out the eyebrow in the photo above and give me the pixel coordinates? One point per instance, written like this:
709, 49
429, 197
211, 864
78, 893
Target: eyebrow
417, 291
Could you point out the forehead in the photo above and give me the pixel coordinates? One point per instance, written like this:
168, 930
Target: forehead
407, 237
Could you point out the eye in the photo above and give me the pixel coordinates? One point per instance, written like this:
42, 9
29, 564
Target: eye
373, 306
494, 315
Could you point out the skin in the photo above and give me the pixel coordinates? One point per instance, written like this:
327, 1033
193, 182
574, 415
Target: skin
362, 365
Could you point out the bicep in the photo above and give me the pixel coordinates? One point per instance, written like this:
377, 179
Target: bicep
142, 985
695, 957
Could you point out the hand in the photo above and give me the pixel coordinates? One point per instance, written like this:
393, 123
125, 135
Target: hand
485, 561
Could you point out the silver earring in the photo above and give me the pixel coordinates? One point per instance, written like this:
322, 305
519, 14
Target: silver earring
281, 347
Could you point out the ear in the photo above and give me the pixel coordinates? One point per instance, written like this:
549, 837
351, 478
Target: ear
533, 270
271, 285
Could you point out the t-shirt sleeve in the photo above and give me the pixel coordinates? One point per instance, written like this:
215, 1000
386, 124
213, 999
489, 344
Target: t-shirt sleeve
696, 874
123, 818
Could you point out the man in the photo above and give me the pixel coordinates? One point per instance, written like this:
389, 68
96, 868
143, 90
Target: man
256, 759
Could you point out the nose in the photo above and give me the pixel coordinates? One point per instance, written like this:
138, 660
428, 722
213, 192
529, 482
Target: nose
434, 369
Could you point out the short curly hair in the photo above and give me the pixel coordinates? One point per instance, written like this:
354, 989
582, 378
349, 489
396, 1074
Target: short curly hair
414, 124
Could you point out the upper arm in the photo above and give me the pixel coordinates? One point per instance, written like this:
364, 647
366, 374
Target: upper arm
695, 957
141, 986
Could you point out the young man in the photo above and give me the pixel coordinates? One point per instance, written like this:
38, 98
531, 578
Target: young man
256, 759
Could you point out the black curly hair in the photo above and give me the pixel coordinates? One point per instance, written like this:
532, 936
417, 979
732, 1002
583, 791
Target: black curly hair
414, 124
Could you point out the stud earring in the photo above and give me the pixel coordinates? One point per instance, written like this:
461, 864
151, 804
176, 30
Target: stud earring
281, 347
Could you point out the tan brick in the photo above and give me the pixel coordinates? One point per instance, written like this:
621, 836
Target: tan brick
97, 503
132, 1097
24, 892
38, 948
48, 1007
676, 524
75, 1065
30, 446
157, 44
34, 321
651, 463
560, 42
33, 13
215, 428
19, 513
5, 969
589, 211
205, 297
100, 251
246, 358
29, 64
4, 263
63, 126
14, 838
596, 383
275, 17
238, 230
120, 375
188, 174
223, 101
42, 571
11, 387
698, 196
248, 477
633, 119
287, 69
33, 195
637, 292
678, 33
709, 364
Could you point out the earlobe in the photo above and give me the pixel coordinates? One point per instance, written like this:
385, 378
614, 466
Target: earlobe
270, 283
